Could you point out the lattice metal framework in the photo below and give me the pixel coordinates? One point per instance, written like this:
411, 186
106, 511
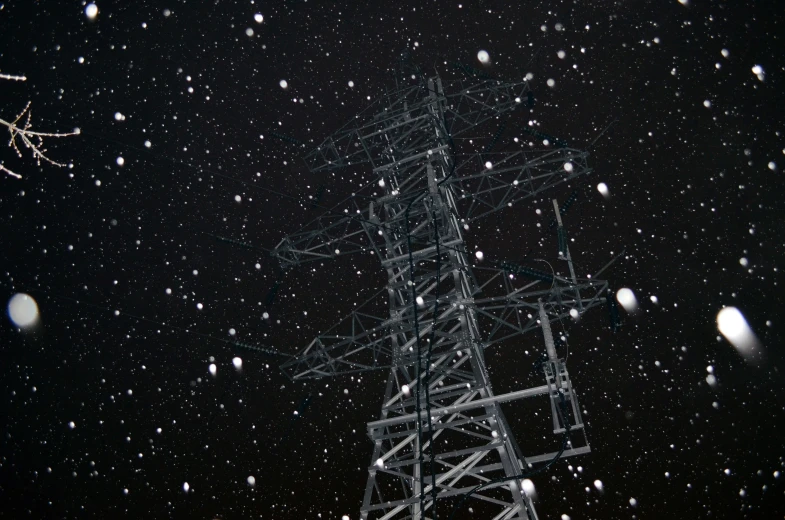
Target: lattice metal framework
443, 312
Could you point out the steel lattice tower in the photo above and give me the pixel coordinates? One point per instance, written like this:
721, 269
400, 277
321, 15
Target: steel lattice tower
443, 312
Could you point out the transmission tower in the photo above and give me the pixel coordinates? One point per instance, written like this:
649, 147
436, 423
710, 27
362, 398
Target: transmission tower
442, 441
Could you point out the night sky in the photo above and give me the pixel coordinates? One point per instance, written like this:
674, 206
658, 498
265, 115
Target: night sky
107, 402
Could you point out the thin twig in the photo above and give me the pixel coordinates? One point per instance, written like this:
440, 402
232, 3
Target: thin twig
12, 78
27, 136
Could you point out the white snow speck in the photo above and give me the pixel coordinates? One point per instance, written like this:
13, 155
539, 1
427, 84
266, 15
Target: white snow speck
488, 164
744, 262
120, 161
258, 18
213, 369
561, 54
598, 485
72, 425
479, 255
568, 167
266, 315
148, 144
91, 11
574, 313
725, 53
528, 487
238, 363
484, 57
707, 103
654, 299
249, 32
633, 502
251, 480
199, 306
232, 332
351, 84
168, 291
380, 463
186, 486
603, 189
119, 116
551, 82
773, 166
238, 198
405, 390
420, 301
284, 84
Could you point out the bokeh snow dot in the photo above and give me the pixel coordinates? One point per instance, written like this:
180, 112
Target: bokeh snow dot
91, 11
479, 255
258, 18
237, 362
627, 299
603, 189
284, 84
23, 310
484, 57
120, 161
213, 369
251, 480
732, 324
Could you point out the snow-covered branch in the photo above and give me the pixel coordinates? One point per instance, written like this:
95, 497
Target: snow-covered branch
20, 130
12, 77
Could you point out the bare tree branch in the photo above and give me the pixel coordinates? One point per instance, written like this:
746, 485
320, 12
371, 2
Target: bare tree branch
33, 141
12, 78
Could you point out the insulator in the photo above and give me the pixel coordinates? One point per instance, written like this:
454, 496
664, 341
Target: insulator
318, 198
469, 71
234, 242
570, 200
495, 139
613, 311
256, 348
285, 138
528, 272
272, 293
562, 236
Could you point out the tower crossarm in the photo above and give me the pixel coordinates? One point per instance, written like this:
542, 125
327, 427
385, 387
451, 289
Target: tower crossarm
505, 179
504, 317
358, 343
335, 233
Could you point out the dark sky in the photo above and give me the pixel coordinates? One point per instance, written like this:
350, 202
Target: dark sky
693, 164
